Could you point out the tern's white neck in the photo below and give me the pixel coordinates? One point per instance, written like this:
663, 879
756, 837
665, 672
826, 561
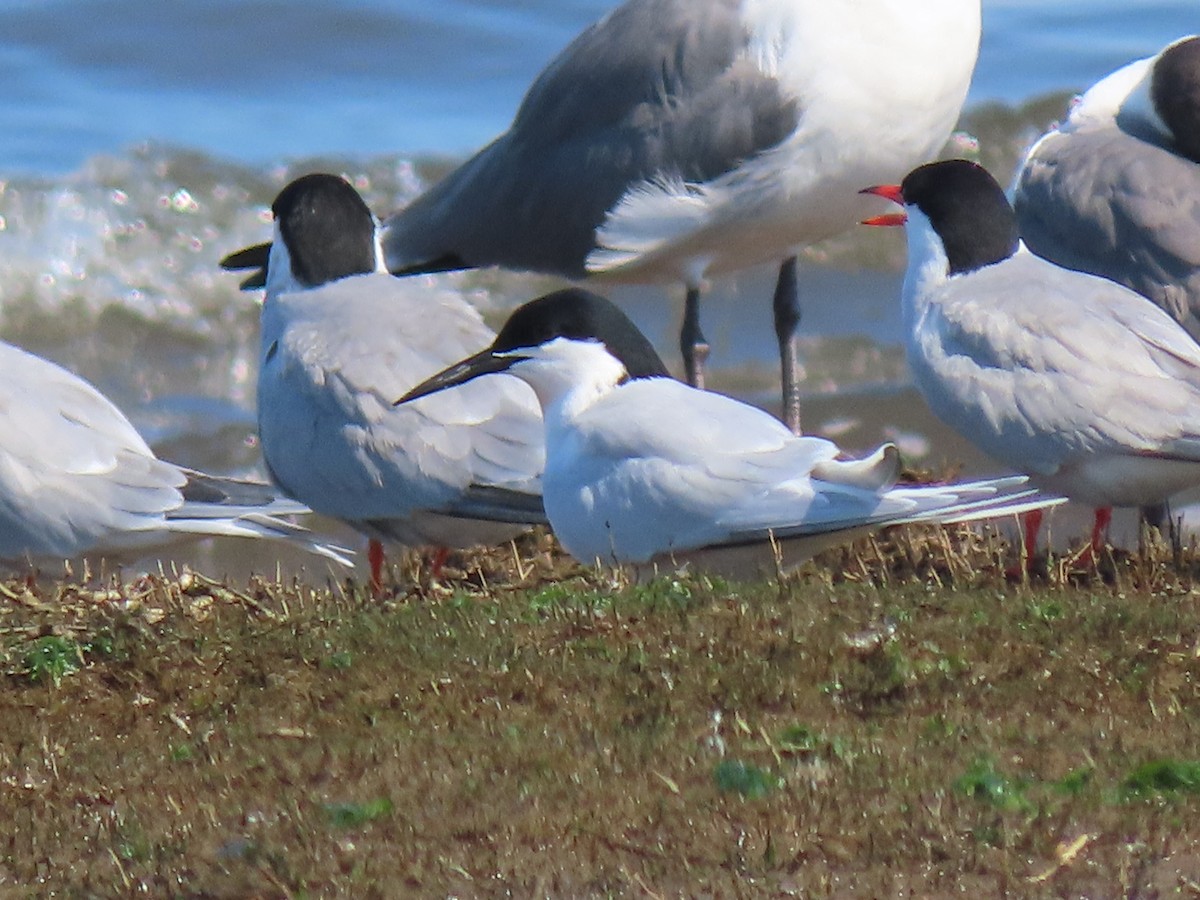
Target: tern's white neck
280, 278
928, 267
568, 376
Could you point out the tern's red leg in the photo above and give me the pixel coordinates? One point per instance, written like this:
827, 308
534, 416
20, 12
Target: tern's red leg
437, 560
375, 558
1032, 523
1100, 530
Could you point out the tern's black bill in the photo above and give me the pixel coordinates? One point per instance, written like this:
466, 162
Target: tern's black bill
484, 362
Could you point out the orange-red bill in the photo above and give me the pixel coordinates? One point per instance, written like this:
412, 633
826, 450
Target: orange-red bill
887, 219
887, 192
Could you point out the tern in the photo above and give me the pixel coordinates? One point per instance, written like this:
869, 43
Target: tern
1115, 190
676, 140
648, 469
341, 339
77, 480
1079, 382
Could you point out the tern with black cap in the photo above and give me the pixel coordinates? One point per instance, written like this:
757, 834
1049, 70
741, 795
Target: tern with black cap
641, 468
1081, 383
340, 339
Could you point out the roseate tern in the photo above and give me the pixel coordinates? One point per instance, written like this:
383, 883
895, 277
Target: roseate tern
641, 469
77, 480
1081, 383
340, 340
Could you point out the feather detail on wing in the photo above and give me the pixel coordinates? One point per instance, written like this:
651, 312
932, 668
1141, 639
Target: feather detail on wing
650, 216
331, 435
1056, 364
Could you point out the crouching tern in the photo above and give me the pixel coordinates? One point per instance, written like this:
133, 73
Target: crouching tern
643, 469
77, 480
1078, 381
341, 339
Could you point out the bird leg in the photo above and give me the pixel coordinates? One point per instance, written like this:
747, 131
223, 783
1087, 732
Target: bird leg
1031, 523
1100, 532
437, 561
787, 323
691, 340
375, 558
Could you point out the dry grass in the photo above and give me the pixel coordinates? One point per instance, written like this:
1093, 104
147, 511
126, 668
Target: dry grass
898, 717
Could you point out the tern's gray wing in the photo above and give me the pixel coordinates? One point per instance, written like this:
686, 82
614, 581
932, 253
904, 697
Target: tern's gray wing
657, 90
1102, 201
73, 470
339, 356
657, 466
1042, 365
76, 478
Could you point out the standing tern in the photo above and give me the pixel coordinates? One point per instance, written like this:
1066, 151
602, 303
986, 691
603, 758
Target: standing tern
1081, 383
640, 469
1115, 190
679, 139
77, 480
341, 339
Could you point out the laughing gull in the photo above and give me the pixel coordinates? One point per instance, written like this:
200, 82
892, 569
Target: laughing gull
1078, 381
646, 469
679, 139
77, 480
341, 339
1116, 189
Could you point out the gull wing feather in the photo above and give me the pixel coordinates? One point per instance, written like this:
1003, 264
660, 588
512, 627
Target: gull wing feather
1100, 200
657, 91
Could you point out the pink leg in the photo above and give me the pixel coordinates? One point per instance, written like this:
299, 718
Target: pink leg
375, 558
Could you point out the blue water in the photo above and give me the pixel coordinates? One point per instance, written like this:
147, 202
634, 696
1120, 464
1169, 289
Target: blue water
261, 81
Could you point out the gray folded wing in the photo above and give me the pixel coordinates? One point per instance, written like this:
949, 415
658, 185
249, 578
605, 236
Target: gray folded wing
656, 90
1103, 201
1041, 365
332, 436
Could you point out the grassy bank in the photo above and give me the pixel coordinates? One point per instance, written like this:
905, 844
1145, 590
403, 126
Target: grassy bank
897, 717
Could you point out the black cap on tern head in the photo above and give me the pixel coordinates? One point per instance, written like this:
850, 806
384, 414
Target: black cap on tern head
581, 315
327, 227
573, 314
1175, 92
967, 209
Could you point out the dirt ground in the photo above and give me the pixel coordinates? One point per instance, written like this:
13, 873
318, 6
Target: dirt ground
898, 719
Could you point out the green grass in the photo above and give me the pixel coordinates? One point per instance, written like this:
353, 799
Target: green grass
896, 718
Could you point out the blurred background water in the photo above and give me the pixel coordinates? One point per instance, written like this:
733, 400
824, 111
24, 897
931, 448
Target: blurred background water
140, 142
